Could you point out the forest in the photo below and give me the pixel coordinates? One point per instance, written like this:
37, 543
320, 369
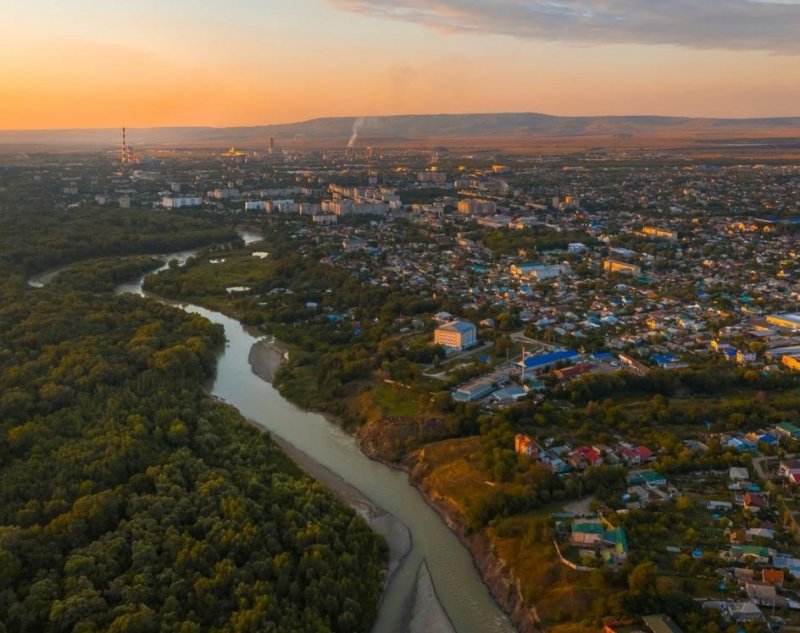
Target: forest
32, 242
129, 499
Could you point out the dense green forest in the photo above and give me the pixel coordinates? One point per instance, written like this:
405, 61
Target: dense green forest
129, 499
34, 241
103, 274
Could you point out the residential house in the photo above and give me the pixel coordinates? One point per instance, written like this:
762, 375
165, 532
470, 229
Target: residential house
787, 429
524, 445
762, 593
752, 553
587, 533
790, 469
593, 533
745, 612
773, 576
633, 456
755, 503
585, 456
649, 478
738, 474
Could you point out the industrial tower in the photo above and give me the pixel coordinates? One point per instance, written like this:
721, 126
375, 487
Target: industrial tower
125, 153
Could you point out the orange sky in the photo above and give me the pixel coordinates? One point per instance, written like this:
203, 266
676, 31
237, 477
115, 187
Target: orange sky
243, 62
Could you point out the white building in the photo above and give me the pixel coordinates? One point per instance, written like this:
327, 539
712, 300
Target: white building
456, 335
180, 203
309, 208
432, 177
536, 272
324, 219
281, 206
350, 207
255, 205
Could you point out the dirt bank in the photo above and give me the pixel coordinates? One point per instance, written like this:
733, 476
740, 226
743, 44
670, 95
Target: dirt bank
266, 359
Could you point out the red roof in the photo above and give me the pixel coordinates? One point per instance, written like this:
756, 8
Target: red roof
774, 576
572, 372
591, 454
752, 500
628, 452
644, 453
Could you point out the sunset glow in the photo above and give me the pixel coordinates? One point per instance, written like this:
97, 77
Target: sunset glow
87, 63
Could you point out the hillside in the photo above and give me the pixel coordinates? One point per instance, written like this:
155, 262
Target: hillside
388, 131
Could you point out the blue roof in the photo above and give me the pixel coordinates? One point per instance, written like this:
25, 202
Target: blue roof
662, 359
460, 326
543, 360
768, 439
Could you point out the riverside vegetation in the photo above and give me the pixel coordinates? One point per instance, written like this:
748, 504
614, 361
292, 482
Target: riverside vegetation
129, 499
351, 356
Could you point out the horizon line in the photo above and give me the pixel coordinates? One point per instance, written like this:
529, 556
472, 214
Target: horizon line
401, 115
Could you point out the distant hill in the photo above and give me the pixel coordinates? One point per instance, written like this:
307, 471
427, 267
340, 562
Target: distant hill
405, 130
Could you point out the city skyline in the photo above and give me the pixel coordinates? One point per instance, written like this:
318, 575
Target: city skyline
93, 65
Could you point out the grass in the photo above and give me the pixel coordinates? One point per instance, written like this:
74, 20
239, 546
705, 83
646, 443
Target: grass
454, 472
395, 401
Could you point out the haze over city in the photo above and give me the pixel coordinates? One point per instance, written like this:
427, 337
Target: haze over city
88, 64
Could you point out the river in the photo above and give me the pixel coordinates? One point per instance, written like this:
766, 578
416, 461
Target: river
322, 447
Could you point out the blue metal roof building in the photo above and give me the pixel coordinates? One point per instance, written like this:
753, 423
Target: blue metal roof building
545, 360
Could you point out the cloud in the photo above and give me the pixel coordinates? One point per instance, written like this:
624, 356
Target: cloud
702, 24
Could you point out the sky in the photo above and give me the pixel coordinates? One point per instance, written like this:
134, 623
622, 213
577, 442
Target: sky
142, 63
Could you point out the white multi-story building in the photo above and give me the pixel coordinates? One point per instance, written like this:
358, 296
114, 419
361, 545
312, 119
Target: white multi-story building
281, 206
324, 219
224, 194
255, 205
477, 206
456, 335
432, 176
536, 272
180, 203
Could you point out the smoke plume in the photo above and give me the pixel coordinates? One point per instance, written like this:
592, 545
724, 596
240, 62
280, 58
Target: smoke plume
356, 127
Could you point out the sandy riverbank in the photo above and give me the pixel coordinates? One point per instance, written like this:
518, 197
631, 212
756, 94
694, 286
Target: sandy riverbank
426, 614
266, 359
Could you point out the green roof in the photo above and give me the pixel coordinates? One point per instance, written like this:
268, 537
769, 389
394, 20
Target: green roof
646, 476
588, 528
789, 428
754, 550
619, 538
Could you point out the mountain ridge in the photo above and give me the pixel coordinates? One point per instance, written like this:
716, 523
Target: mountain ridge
405, 128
